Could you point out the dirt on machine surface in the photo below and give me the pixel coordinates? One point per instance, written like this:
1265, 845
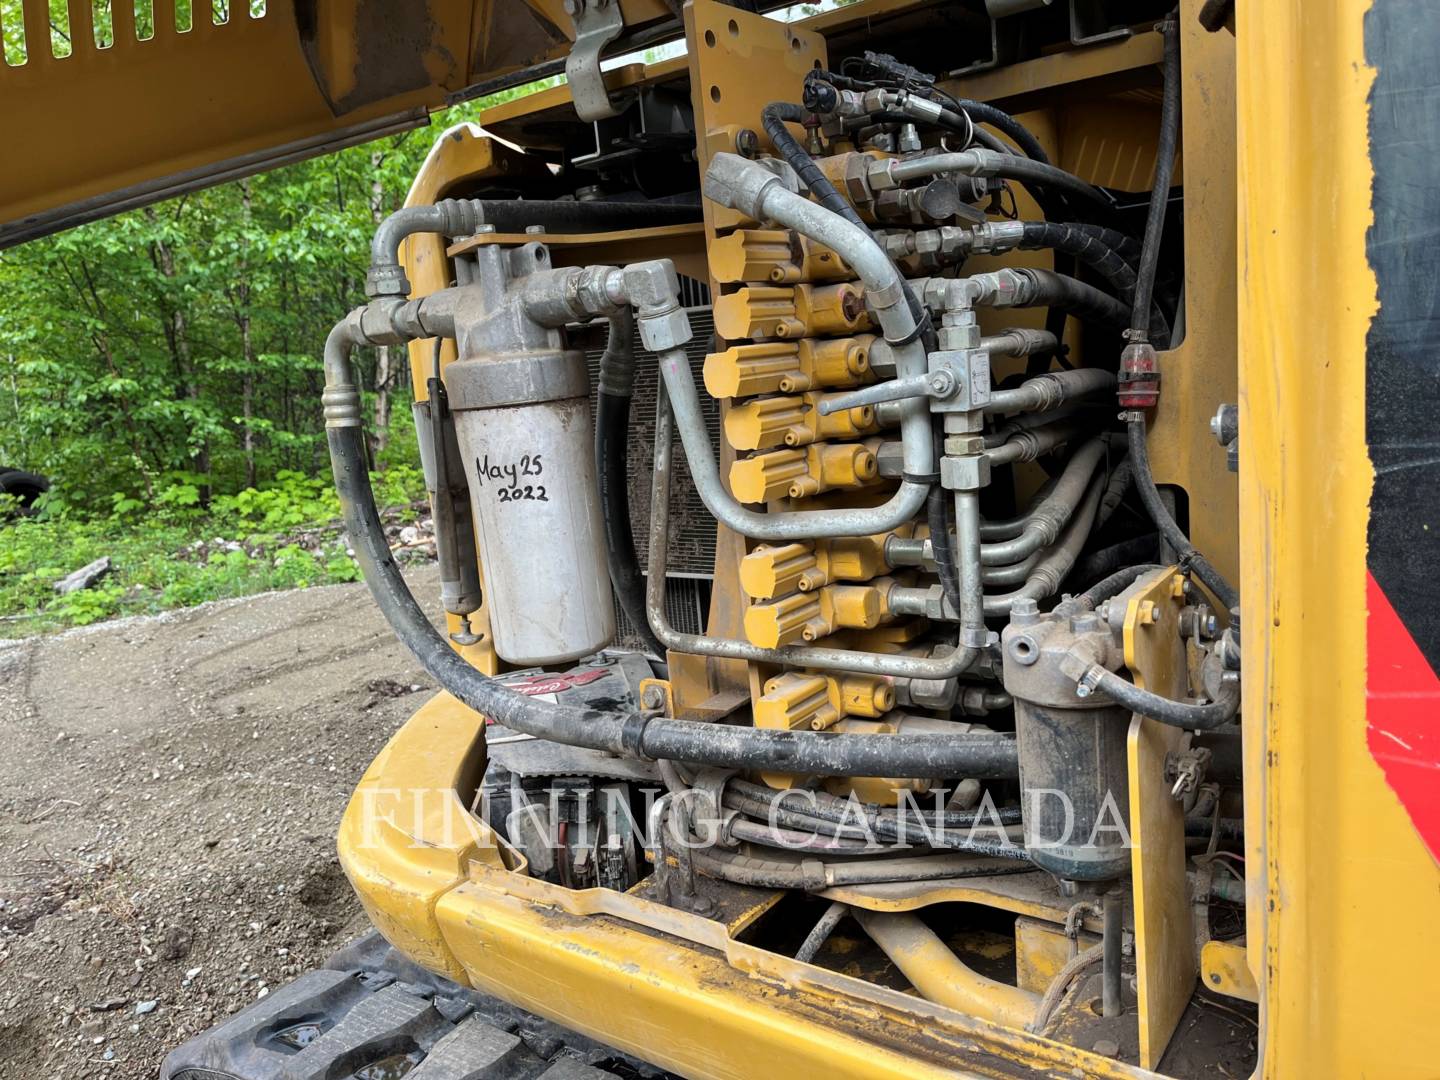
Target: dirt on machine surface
170, 789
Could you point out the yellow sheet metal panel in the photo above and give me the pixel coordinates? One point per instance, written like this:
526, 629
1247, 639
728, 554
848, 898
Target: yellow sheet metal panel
407, 836
1344, 898
669, 986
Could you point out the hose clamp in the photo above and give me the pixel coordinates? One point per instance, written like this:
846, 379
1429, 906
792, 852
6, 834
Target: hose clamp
632, 736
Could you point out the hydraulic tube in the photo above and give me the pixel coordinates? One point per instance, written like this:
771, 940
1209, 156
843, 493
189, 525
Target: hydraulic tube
939, 975
633, 734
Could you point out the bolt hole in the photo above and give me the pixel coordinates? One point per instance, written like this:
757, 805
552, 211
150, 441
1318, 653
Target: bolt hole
714, 93
796, 44
734, 28
710, 38
817, 65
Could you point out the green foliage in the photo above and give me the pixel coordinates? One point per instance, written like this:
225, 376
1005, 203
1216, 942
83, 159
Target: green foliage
162, 367
174, 553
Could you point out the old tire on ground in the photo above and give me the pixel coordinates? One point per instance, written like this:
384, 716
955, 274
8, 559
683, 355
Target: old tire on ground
25, 486
370, 1014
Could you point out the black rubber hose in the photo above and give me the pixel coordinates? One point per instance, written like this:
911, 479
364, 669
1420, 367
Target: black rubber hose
937, 517
981, 113
882, 822
1160, 514
1105, 260
773, 118
1136, 549
801, 752
1139, 329
612, 440
1181, 714
1104, 589
1080, 299
1160, 192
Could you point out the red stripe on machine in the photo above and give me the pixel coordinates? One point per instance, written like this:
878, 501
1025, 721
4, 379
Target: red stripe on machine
1403, 716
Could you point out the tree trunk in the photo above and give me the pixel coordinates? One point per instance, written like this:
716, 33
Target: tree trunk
178, 338
247, 348
380, 430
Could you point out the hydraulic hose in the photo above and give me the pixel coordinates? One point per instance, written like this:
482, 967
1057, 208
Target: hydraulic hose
1105, 588
1050, 391
626, 734
843, 818
1190, 556
938, 519
1160, 192
612, 441
813, 875
1136, 426
1043, 524
1086, 245
1079, 298
1047, 577
983, 113
773, 118
1007, 166
1179, 714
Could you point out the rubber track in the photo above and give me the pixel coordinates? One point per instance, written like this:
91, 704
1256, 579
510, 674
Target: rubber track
370, 1014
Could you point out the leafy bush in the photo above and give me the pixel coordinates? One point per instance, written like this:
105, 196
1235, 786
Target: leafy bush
175, 553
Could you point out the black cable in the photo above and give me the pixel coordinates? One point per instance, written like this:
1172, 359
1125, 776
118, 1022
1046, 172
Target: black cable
1136, 427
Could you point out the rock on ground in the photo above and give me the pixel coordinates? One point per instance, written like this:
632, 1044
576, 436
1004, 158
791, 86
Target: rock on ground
170, 789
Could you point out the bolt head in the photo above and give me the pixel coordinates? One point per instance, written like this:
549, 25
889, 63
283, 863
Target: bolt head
653, 697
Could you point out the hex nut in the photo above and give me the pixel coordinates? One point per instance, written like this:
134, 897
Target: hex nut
668, 330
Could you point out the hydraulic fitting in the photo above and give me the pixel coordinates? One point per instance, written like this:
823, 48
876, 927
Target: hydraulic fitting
789, 367
809, 616
801, 473
779, 256
801, 700
794, 421
793, 312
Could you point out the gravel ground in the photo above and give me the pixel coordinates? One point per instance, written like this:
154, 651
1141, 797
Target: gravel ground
170, 789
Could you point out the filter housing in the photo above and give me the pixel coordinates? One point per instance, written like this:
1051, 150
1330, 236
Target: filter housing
527, 442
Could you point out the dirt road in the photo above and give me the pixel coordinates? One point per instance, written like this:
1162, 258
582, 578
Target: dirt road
169, 793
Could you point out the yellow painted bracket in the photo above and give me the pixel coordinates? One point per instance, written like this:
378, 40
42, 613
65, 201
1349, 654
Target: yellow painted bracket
1223, 968
1164, 941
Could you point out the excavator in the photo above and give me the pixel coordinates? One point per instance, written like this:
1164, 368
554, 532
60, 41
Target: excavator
930, 501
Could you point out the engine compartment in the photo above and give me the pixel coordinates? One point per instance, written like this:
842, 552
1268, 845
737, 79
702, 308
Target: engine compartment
1002, 769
